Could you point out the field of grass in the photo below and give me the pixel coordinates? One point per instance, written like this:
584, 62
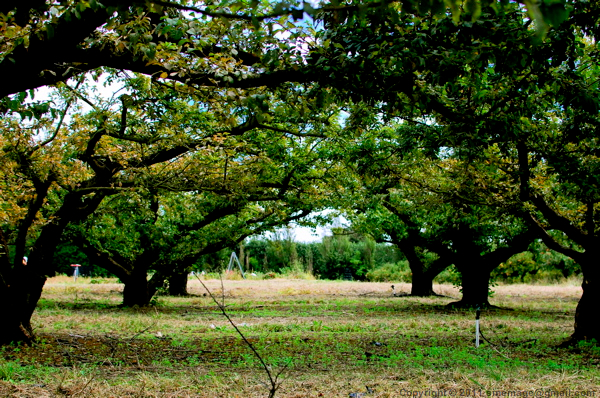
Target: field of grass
329, 339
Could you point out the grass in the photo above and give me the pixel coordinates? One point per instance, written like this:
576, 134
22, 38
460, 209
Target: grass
333, 338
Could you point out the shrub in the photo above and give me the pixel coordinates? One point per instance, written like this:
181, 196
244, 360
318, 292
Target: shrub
389, 272
450, 275
270, 275
537, 265
296, 272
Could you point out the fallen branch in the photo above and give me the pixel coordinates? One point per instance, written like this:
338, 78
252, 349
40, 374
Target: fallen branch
142, 331
86, 385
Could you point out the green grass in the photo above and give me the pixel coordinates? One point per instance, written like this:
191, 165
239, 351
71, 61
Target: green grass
330, 339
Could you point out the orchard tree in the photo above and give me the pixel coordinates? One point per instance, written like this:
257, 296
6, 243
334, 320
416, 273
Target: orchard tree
171, 237
557, 174
380, 202
424, 200
159, 137
244, 186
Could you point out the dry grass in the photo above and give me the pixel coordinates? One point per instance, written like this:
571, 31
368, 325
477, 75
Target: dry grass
335, 337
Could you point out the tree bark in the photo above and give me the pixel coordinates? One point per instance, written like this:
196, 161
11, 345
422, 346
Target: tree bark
587, 323
475, 286
136, 290
422, 276
178, 283
21, 296
422, 281
21, 285
422, 284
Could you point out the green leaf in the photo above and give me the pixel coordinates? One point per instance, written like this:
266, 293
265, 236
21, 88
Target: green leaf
438, 7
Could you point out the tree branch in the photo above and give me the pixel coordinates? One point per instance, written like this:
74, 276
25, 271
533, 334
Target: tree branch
555, 245
559, 222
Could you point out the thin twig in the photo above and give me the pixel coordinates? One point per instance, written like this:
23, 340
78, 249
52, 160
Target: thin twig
86, 385
82, 97
62, 116
272, 380
142, 331
493, 346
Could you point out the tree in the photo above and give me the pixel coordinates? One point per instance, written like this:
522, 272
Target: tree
559, 184
424, 201
391, 202
160, 138
174, 234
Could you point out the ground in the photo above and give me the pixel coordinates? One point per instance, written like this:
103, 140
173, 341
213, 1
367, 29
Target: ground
328, 339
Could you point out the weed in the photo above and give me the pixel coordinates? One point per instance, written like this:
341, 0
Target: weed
8, 370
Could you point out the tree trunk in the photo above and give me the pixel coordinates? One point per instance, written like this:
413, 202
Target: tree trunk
587, 323
136, 290
475, 286
22, 284
20, 298
178, 283
422, 280
422, 283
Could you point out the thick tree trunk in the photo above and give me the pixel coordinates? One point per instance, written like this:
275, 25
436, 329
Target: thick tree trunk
136, 290
475, 287
587, 322
422, 283
20, 298
422, 277
22, 284
178, 283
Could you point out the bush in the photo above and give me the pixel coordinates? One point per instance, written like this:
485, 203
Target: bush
537, 265
296, 271
399, 272
450, 276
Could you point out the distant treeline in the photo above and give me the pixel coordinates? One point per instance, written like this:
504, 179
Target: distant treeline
344, 256
358, 256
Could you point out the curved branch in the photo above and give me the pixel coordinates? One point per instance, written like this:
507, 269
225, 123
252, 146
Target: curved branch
559, 222
553, 244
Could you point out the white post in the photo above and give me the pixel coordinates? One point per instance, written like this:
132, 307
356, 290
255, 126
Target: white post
477, 327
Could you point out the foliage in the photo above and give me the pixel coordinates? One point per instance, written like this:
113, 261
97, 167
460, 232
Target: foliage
389, 272
331, 258
238, 105
539, 263
67, 254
